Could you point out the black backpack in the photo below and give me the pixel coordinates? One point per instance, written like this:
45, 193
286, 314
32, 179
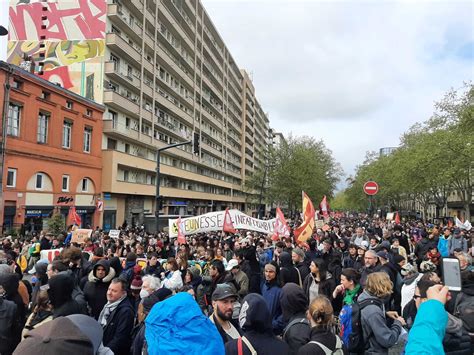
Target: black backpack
351, 326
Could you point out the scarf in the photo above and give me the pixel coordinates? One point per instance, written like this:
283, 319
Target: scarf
350, 294
108, 309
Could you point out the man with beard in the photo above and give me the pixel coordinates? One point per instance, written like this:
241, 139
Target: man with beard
371, 265
95, 289
223, 299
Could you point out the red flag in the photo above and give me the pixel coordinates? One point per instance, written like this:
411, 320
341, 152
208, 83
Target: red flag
73, 217
305, 230
397, 218
324, 207
181, 237
228, 225
281, 228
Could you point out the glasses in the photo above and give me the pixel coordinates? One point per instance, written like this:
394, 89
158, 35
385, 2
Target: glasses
416, 296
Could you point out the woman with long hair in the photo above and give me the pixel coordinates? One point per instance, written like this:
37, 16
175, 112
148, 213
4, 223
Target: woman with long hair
319, 281
172, 279
322, 338
182, 261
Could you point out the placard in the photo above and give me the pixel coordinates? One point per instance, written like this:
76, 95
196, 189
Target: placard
114, 233
79, 235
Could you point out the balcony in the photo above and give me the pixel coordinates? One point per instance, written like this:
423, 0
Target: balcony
133, 29
121, 76
136, 6
119, 130
117, 44
121, 103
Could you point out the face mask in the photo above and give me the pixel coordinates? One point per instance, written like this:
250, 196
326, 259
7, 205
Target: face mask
144, 294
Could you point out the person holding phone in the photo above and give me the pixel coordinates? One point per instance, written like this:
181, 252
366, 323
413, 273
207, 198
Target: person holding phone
427, 333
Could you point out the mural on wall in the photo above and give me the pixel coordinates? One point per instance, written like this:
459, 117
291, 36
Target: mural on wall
65, 39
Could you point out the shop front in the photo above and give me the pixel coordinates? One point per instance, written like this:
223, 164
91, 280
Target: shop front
35, 217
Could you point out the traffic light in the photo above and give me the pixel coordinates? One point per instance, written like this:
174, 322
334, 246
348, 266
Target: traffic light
196, 143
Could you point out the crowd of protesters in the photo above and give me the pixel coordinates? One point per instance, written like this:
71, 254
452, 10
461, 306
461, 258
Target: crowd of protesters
360, 286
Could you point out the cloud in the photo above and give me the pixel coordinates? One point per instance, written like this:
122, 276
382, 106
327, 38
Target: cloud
356, 74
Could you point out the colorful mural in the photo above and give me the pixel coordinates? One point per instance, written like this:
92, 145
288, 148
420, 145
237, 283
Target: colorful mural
65, 39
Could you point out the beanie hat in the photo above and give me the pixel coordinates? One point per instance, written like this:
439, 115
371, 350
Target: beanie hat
299, 252
137, 283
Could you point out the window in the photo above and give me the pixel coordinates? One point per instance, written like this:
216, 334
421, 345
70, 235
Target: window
69, 104
17, 84
89, 112
127, 122
45, 95
67, 131
65, 184
11, 177
112, 115
111, 144
13, 120
43, 119
87, 139
125, 175
85, 185
127, 148
39, 181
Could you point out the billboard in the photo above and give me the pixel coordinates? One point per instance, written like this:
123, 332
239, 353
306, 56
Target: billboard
65, 39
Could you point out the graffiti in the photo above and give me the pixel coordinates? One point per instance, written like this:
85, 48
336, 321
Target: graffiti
55, 54
65, 39
73, 19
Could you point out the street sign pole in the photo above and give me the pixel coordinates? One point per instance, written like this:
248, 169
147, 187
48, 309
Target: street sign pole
371, 188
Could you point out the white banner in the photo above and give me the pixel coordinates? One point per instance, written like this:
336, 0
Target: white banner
214, 221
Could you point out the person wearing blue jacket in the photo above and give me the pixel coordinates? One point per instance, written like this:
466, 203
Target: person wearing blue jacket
271, 292
443, 245
426, 335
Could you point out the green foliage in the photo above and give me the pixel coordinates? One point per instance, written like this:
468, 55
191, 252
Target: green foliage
56, 224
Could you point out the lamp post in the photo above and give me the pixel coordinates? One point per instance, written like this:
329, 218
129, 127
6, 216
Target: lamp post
158, 198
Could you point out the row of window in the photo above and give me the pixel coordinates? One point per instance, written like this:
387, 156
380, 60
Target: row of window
13, 128
41, 178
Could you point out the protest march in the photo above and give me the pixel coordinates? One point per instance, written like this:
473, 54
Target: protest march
227, 283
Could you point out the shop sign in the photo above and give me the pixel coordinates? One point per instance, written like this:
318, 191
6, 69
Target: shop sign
65, 200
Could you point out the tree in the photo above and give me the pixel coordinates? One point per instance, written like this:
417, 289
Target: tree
56, 224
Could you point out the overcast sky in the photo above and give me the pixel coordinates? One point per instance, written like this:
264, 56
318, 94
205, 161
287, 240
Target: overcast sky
356, 74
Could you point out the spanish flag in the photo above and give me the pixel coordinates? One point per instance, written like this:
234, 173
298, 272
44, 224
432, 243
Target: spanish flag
305, 230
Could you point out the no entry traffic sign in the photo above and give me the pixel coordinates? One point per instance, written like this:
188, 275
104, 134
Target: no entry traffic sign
371, 188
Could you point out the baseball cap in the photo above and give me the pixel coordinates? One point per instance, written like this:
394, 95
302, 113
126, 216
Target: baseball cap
232, 263
223, 291
76, 334
383, 254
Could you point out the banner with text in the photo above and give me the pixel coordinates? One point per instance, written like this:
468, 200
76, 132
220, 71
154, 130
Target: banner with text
214, 221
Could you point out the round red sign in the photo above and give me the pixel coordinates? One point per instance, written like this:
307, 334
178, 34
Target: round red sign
371, 188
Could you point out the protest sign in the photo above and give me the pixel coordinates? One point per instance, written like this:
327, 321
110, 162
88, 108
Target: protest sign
114, 233
214, 221
79, 235
50, 254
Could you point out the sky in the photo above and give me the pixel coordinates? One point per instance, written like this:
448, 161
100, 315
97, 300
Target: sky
356, 74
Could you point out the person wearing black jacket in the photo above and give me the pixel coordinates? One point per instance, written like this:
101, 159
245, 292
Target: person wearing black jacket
319, 281
60, 291
320, 314
10, 322
95, 289
294, 304
256, 322
117, 318
288, 272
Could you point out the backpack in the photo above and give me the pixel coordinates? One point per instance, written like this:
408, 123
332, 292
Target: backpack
337, 351
293, 322
350, 324
464, 310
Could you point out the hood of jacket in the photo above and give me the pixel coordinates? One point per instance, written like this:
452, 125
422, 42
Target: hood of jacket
293, 300
366, 296
110, 272
285, 259
60, 289
454, 325
254, 314
9, 281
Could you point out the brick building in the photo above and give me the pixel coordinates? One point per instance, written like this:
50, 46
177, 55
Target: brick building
52, 157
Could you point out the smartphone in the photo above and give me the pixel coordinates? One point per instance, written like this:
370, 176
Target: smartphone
452, 274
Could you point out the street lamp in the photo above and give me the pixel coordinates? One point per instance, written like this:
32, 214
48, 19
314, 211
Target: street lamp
159, 198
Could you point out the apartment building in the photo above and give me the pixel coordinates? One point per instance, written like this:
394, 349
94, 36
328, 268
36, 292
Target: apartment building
163, 73
52, 152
